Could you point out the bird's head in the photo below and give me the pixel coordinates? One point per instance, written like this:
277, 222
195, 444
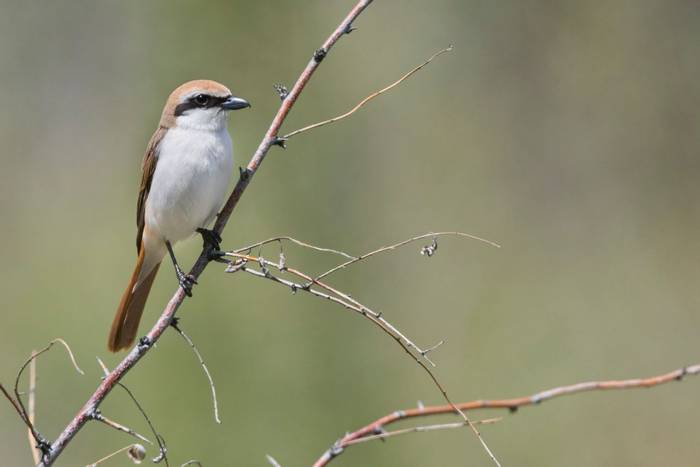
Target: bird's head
201, 105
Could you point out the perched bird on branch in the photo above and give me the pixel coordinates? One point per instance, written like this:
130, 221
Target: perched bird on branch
186, 172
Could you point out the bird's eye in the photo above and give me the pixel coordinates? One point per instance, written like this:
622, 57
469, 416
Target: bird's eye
201, 99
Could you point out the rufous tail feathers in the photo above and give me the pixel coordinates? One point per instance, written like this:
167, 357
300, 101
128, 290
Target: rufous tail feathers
126, 320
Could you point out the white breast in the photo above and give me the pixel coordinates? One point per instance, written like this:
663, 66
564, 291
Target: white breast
190, 181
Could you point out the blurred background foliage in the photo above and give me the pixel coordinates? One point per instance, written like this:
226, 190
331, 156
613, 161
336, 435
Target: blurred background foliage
566, 131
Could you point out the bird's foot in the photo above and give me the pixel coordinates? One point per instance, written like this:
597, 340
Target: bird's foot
187, 281
212, 244
210, 238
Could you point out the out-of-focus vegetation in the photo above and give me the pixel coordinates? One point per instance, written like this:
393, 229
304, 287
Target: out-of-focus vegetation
567, 132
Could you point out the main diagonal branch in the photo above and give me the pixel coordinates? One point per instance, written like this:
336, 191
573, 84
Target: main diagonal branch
87, 412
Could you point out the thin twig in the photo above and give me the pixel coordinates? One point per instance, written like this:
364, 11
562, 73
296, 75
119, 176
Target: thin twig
175, 326
145, 344
27, 416
122, 428
296, 242
97, 415
368, 98
400, 244
109, 456
272, 461
162, 454
512, 405
421, 429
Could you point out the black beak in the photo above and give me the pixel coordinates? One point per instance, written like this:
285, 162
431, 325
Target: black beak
234, 103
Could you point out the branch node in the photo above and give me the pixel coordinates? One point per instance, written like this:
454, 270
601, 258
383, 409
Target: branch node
682, 374
320, 54
336, 450
244, 173
174, 322
281, 90
95, 414
145, 343
279, 141
513, 408
44, 446
350, 28
237, 265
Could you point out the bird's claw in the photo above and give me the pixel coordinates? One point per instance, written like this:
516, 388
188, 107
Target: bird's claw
187, 281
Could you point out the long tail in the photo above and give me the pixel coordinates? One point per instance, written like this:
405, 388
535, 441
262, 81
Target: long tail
126, 321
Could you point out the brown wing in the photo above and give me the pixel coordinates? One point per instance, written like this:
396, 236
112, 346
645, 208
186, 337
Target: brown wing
150, 159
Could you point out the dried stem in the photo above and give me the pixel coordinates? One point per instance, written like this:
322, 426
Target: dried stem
122, 428
272, 461
377, 426
421, 429
368, 98
27, 416
146, 343
249, 248
109, 456
162, 448
31, 405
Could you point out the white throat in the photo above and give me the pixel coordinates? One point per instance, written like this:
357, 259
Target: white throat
211, 119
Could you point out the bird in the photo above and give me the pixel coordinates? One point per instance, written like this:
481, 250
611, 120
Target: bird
186, 172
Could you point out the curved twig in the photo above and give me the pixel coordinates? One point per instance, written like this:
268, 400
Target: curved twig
194, 348
368, 98
402, 243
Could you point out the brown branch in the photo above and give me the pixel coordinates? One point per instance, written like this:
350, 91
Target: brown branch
368, 98
377, 426
87, 412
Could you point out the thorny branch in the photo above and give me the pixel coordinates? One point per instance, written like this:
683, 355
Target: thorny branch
375, 430
146, 343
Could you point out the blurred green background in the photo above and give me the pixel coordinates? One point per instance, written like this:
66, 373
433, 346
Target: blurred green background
566, 131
